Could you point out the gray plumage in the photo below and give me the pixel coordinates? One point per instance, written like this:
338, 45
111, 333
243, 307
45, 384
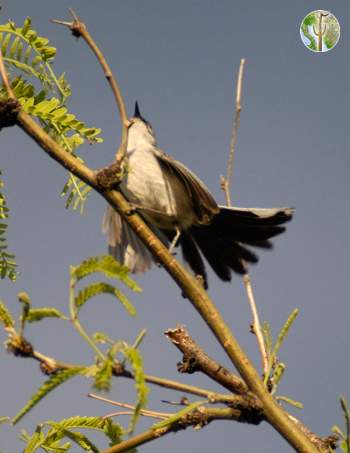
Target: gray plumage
170, 198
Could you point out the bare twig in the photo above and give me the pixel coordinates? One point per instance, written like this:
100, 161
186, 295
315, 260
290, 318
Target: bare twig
257, 330
226, 182
146, 412
49, 365
225, 186
187, 283
79, 29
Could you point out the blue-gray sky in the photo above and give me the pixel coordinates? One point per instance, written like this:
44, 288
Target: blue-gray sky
179, 60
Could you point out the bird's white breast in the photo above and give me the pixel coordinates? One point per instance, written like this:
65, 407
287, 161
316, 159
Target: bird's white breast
164, 202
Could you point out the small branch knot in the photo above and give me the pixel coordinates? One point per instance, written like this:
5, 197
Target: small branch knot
110, 176
9, 109
188, 365
20, 347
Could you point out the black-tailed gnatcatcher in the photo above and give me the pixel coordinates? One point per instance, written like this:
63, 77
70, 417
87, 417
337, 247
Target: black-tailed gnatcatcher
180, 210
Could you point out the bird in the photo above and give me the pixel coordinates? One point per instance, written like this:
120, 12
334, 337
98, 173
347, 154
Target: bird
182, 212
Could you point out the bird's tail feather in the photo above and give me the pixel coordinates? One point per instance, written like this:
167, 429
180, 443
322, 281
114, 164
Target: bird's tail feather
224, 241
123, 244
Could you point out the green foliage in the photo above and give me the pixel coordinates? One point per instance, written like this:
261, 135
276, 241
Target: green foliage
276, 367
103, 288
54, 381
43, 95
37, 314
5, 316
53, 439
179, 415
8, 266
135, 358
103, 375
114, 433
109, 267
344, 437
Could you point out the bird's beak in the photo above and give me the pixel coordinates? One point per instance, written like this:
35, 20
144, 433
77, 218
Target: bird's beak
137, 113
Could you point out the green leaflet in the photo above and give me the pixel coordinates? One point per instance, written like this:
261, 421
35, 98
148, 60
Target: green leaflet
280, 339
103, 376
96, 289
178, 415
54, 381
52, 441
31, 56
114, 432
79, 422
37, 314
8, 265
109, 267
80, 439
5, 316
135, 358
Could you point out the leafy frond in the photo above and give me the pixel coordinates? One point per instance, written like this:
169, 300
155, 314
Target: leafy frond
75, 190
135, 358
37, 314
25, 50
103, 376
103, 288
29, 58
114, 432
5, 316
80, 439
52, 440
54, 381
273, 363
8, 265
109, 267
79, 422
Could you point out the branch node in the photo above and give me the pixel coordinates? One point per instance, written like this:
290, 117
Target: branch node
109, 177
9, 109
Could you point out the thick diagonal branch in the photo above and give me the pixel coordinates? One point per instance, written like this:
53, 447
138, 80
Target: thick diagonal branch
188, 284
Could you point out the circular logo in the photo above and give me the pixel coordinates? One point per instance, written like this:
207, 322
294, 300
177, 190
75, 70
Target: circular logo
320, 31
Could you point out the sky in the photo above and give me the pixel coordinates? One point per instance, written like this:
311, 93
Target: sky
180, 60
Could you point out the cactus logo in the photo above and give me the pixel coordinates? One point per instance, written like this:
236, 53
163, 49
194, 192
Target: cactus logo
320, 31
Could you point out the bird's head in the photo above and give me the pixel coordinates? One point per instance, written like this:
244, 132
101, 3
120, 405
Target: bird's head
140, 130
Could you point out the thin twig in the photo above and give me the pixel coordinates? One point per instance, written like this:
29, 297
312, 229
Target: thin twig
225, 185
226, 182
50, 365
187, 283
5, 78
79, 29
257, 330
146, 412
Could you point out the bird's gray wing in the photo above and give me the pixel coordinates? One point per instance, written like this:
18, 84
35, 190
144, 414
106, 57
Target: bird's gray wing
203, 202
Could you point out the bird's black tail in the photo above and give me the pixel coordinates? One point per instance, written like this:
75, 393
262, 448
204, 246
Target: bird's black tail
226, 240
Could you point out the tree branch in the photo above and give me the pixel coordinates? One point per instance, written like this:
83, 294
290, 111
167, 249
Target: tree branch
79, 29
198, 418
195, 359
195, 293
